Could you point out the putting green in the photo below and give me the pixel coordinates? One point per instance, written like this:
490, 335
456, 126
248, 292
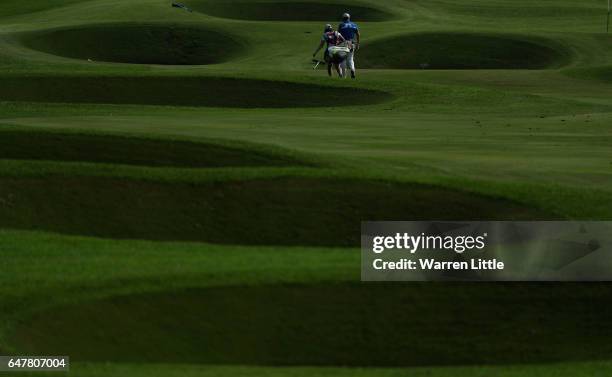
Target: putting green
182, 91
137, 44
108, 149
288, 10
463, 51
331, 324
280, 211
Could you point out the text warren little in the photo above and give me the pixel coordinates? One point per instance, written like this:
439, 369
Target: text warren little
432, 264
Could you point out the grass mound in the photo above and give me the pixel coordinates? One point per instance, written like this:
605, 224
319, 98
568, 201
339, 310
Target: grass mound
520, 10
603, 74
19, 7
20, 145
280, 211
182, 91
339, 324
287, 10
137, 44
462, 51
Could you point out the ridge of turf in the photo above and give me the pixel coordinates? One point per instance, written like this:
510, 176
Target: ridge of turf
463, 50
138, 43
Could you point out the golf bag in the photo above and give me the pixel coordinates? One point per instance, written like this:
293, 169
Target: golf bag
337, 54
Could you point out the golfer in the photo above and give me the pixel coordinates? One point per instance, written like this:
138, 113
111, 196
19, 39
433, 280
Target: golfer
333, 56
350, 32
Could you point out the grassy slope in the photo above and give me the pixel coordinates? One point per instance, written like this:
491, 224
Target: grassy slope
184, 91
51, 270
121, 370
12, 7
461, 51
278, 211
138, 44
111, 149
287, 10
339, 324
540, 137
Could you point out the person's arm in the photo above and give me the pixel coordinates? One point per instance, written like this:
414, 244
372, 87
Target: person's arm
318, 48
358, 34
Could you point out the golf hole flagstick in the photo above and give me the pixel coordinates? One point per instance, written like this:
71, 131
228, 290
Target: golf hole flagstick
317, 63
181, 5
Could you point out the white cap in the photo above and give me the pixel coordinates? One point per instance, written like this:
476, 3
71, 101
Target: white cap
346, 16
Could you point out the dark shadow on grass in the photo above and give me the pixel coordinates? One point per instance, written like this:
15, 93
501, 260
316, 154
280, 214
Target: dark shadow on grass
137, 44
288, 10
518, 11
182, 91
279, 211
53, 146
463, 51
334, 325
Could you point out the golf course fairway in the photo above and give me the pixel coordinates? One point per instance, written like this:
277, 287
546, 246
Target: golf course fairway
181, 193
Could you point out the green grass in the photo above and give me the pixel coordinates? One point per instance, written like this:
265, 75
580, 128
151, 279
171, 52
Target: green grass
556, 370
462, 51
603, 74
138, 44
331, 325
584, 369
51, 267
180, 91
12, 7
288, 10
540, 10
112, 149
231, 138
279, 211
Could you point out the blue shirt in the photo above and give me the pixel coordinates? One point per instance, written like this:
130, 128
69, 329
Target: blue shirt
348, 30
